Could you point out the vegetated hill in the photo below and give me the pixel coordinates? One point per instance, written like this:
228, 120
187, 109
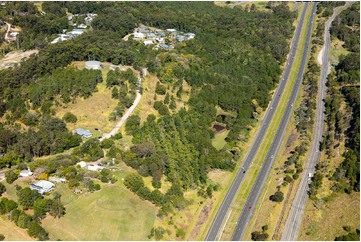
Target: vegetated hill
235, 58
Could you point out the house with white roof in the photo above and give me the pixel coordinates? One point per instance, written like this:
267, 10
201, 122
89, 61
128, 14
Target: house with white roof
82, 164
148, 42
42, 186
25, 173
138, 35
82, 132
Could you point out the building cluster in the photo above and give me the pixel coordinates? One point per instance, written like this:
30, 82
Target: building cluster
79, 28
162, 39
65, 36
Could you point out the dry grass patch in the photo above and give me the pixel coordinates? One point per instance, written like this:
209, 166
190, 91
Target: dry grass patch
12, 232
92, 112
15, 57
327, 223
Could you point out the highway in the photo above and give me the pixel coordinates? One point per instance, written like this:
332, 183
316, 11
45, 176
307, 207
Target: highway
222, 212
294, 219
252, 200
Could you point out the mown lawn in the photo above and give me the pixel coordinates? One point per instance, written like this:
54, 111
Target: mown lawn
113, 213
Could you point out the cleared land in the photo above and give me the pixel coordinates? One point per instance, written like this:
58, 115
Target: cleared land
92, 112
113, 213
15, 57
326, 223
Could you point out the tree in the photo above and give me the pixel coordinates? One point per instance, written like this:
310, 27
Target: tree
7, 205
107, 143
57, 209
259, 236
2, 189
115, 93
132, 124
277, 197
35, 230
2, 237
27, 197
11, 176
70, 118
160, 89
41, 207
166, 99
23, 220
91, 149
180, 233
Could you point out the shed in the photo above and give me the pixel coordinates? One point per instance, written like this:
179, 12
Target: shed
95, 65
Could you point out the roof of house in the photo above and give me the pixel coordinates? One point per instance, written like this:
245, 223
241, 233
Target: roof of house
44, 184
81, 131
147, 42
28, 172
171, 30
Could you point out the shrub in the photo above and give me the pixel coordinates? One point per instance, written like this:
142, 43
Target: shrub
70, 118
277, 197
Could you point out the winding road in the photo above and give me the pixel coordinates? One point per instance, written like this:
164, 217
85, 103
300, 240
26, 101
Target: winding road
128, 112
223, 211
294, 219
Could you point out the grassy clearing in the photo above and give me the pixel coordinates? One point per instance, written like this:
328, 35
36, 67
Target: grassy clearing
11, 231
218, 141
336, 50
92, 112
113, 213
269, 136
326, 223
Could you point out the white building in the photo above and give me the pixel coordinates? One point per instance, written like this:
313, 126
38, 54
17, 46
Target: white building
14, 34
82, 164
139, 35
148, 42
26, 173
76, 32
95, 65
42, 186
190, 35
82, 26
96, 167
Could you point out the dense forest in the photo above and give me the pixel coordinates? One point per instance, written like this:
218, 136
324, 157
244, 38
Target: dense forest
233, 63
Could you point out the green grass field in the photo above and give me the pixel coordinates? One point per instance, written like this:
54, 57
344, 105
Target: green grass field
218, 141
113, 213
